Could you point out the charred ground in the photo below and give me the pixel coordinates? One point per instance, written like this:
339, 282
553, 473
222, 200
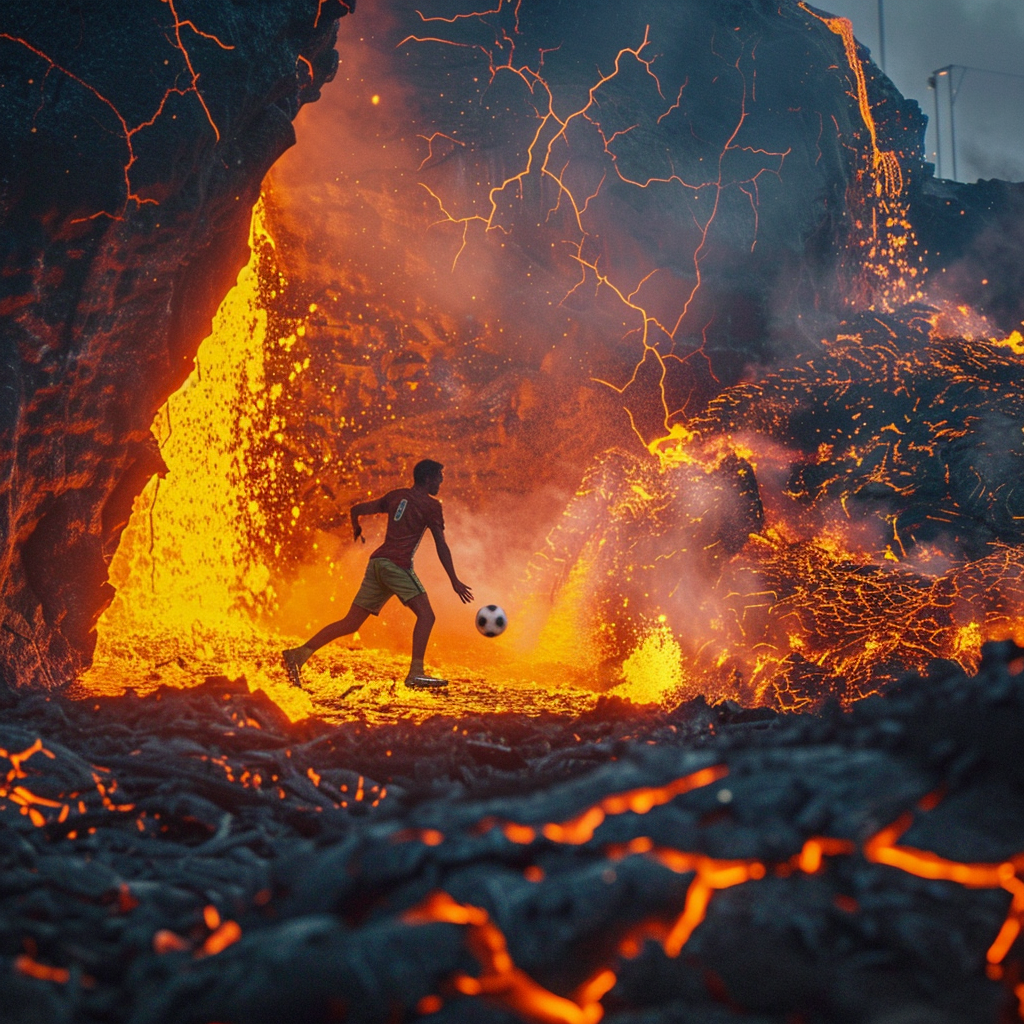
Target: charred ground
193, 856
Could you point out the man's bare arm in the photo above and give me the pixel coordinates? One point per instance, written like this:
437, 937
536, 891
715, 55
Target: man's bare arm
365, 508
444, 554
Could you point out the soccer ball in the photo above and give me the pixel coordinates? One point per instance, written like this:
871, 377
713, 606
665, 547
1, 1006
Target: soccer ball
491, 620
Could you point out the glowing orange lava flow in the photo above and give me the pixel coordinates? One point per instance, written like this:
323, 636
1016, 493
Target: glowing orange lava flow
504, 983
27, 801
882, 849
581, 829
34, 807
500, 981
189, 576
886, 163
889, 239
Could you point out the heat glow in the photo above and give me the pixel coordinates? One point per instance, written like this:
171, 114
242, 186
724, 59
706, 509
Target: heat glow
501, 982
687, 536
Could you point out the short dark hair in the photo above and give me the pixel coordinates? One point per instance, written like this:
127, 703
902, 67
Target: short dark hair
424, 470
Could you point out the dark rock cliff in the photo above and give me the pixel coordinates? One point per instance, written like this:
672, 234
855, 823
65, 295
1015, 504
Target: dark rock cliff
133, 141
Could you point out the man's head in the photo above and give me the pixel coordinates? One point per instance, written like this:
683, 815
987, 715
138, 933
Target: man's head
428, 473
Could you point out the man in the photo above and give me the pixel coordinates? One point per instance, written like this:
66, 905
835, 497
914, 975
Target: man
410, 511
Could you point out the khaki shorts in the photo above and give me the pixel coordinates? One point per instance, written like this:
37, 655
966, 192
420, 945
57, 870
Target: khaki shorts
383, 578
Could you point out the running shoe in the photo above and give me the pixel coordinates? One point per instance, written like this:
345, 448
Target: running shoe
292, 665
426, 682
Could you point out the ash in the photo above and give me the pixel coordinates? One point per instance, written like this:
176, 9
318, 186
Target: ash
192, 856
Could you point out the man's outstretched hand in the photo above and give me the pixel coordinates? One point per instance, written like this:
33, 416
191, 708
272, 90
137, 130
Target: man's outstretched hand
464, 592
357, 533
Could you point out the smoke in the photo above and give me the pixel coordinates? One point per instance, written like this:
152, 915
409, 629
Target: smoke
503, 284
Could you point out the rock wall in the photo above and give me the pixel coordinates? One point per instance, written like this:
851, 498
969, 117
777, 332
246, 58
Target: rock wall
133, 142
974, 237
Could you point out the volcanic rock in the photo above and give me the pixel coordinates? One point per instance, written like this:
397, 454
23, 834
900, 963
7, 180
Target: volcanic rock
133, 140
852, 862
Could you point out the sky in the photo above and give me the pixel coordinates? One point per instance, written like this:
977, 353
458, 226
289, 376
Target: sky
922, 36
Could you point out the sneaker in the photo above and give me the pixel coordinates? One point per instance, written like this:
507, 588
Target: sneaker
292, 665
425, 682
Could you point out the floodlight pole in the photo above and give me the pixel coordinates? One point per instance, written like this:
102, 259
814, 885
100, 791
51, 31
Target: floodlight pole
934, 85
949, 73
952, 121
881, 31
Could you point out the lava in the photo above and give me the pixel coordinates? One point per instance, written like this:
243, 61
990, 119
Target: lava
886, 164
36, 807
502, 982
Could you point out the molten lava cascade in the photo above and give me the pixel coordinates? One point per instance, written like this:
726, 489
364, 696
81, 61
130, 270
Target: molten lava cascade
883, 257
132, 150
192, 588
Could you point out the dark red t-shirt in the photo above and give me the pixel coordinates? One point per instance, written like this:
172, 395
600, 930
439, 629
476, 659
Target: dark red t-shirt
410, 512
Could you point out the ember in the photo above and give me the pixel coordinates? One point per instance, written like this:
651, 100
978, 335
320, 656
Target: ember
652, 282
642, 862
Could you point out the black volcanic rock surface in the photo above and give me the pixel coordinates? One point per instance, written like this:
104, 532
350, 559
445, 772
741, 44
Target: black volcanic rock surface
216, 862
973, 236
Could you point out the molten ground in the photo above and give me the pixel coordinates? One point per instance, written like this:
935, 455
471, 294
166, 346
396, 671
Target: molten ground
340, 684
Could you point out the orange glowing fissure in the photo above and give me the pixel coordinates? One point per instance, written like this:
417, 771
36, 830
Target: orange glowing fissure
178, 26
542, 160
886, 163
33, 806
506, 985
127, 131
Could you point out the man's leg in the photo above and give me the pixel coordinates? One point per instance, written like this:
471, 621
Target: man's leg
354, 618
296, 657
420, 606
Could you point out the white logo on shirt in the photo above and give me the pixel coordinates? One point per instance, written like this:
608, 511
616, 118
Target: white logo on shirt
400, 511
